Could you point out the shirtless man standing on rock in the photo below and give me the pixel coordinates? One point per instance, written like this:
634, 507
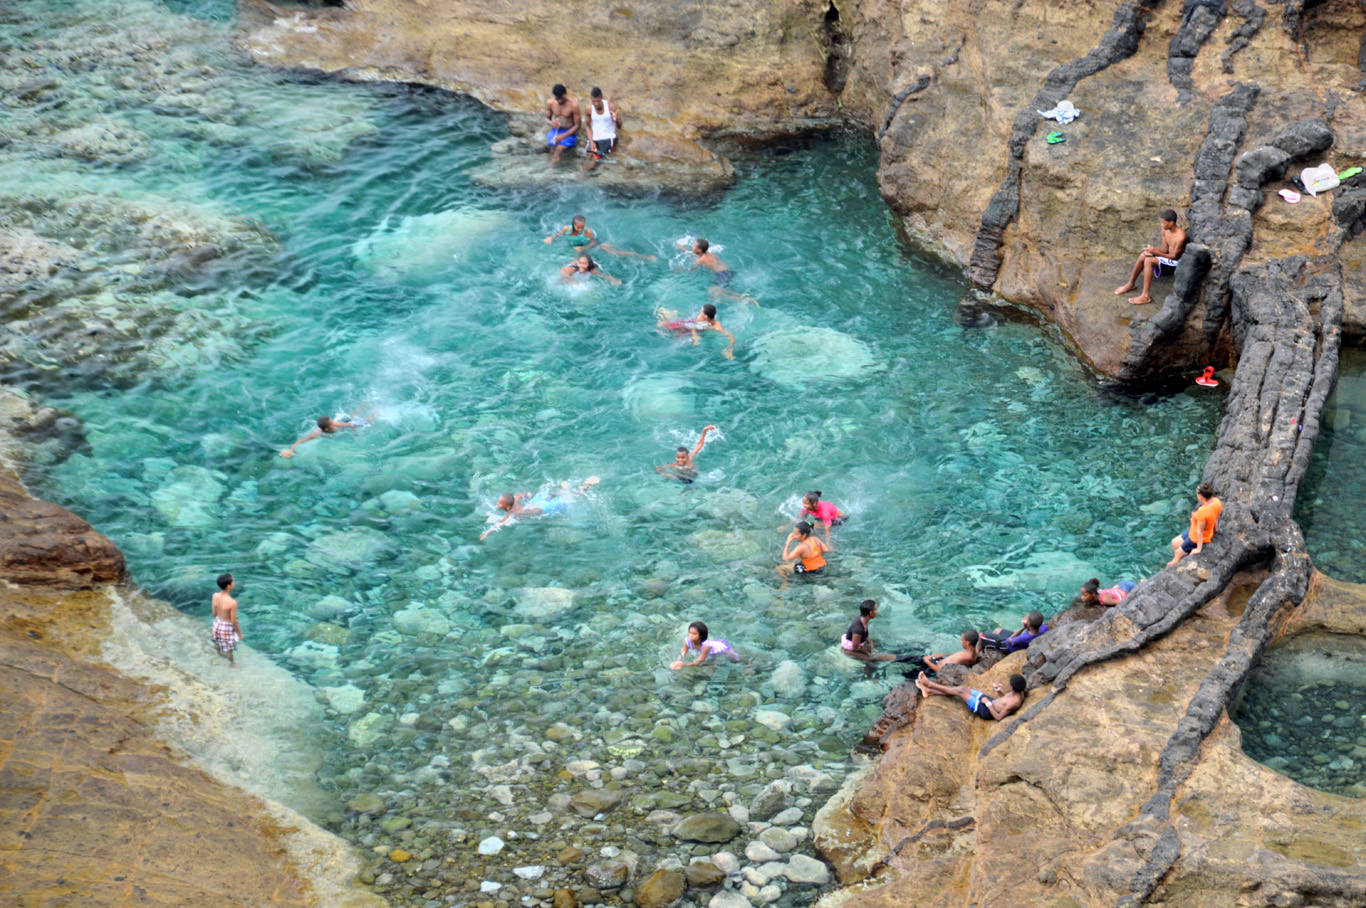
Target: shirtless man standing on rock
1153, 258
563, 117
227, 633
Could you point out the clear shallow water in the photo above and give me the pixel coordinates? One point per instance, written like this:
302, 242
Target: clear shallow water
1300, 713
984, 474
1328, 507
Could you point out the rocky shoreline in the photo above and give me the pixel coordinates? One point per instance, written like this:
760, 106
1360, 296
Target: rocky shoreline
1110, 787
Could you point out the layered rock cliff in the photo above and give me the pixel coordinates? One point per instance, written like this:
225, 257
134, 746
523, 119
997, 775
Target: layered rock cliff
1173, 97
96, 806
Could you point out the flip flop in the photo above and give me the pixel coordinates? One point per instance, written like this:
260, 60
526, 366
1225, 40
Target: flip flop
1289, 195
1053, 138
1349, 173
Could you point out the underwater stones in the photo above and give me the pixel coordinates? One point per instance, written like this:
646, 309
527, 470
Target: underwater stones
559, 732
413, 621
537, 603
490, 845
425, 244
351, 548
789, 817
609, 874
773, 798
702, 873
593, 801
368, 729
188, 499
779, 839
772, 718
709, 827
314, 656
661, 888
346, 699
788, 680
728, 898
367, 803
759, 853
326, 632
728, 545
658, 398
397, 500
797, 357
331, 608
529, 871
103, 142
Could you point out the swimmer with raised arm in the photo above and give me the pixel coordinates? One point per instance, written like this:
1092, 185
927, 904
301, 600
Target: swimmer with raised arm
538, 505
705, 320
683, 469
722, 274
583, 268
327, 426
698, 639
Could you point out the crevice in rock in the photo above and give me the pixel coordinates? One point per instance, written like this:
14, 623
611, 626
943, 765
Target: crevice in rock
922, 82
1199, 19
838, 54
1253, 17
1119, 43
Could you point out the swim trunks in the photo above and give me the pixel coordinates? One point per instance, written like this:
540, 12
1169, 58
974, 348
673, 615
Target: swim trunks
224, 636
1186, 545
722, 278
1163, 260
712, 646
800, 569
603, 147
979, 705
548, 506
557, 137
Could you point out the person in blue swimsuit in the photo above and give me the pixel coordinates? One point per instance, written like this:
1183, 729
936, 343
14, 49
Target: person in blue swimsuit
563, 117
978, 703
542, 504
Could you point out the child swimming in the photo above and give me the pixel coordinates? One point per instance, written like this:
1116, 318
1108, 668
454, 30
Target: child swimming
698, 639
705, 320
584, 268
539, 505
683, 469
582, 238
824, 511
328, 425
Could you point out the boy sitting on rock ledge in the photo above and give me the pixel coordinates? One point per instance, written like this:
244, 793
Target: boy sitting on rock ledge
978, 704
1153, 259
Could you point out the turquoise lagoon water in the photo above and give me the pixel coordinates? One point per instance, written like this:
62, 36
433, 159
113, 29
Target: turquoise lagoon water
984, 472
1328, 505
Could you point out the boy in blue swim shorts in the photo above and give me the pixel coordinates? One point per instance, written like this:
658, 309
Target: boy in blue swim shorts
563, 117
978, 703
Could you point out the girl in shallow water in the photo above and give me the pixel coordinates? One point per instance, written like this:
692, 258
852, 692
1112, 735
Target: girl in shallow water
697, 639
705, 320
803, 553
824, 511
583, 268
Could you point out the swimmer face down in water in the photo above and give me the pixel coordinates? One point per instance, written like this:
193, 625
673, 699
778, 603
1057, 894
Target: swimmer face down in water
327, 426
683, 469
704, 320
582, 268
538, 505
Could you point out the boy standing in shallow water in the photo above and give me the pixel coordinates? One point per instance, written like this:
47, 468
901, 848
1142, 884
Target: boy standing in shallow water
226, 633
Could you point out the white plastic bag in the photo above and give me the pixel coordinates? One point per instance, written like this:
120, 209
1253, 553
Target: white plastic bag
1318, 179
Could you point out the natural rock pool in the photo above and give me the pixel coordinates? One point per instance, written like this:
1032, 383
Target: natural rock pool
211, 255
1300, 712
1329, 506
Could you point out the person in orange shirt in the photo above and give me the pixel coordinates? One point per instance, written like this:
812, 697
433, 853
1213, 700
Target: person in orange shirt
808, 549
1204, 520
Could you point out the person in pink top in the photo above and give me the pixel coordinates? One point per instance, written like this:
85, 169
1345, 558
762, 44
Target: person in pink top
824, 511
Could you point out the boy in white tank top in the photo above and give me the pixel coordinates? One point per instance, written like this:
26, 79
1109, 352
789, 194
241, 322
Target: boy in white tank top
603, 120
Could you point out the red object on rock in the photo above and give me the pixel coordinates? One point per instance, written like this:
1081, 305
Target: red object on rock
1207, 379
